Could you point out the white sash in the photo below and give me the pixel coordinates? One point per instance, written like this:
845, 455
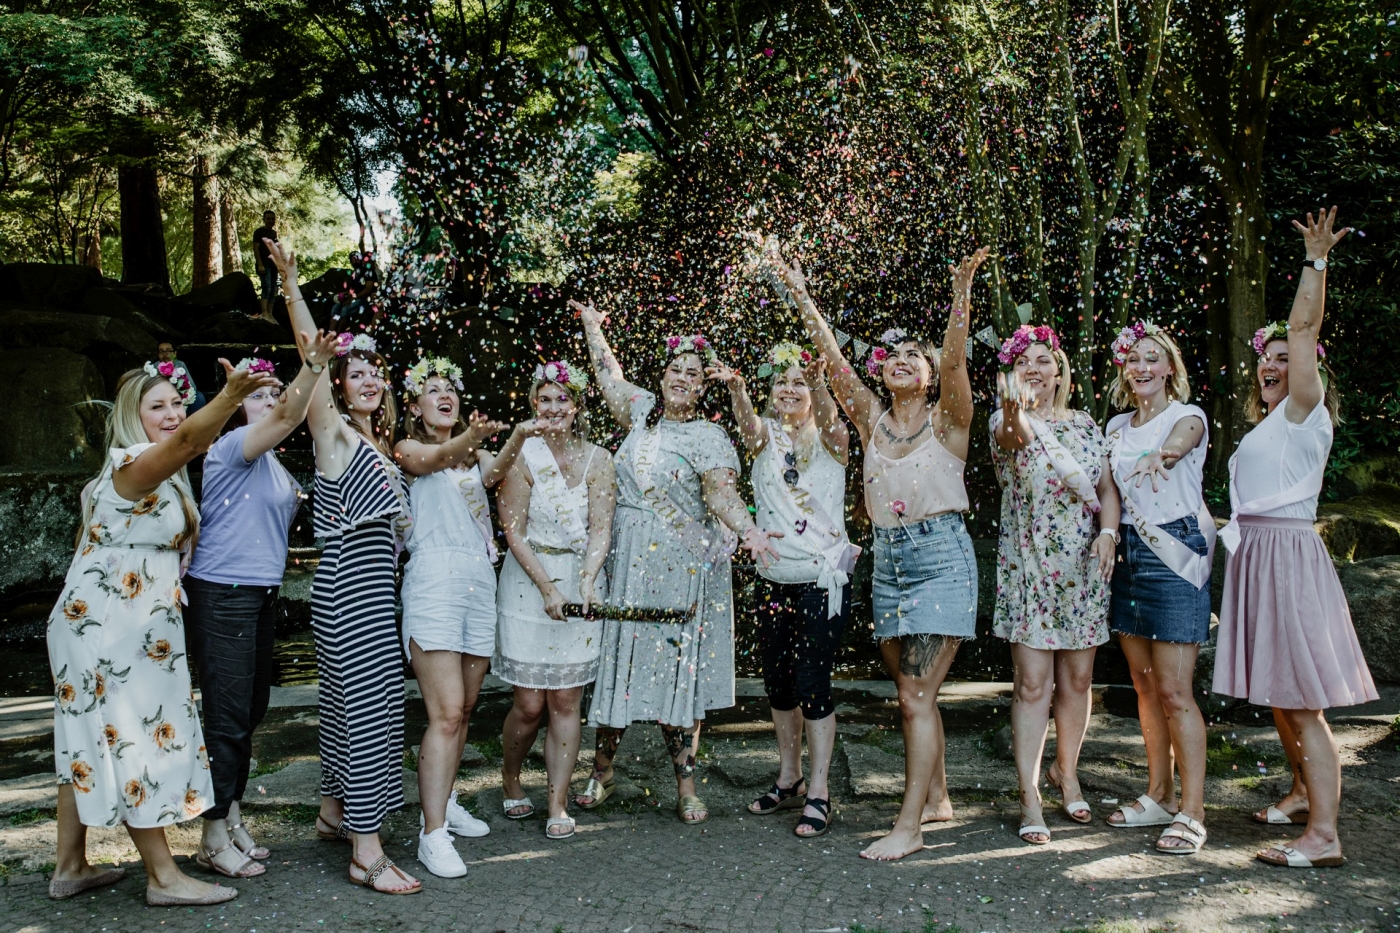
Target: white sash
1061, 461
473, 492
709, 546
1305, 488
1181, 560
403, 521
551, 485
803, 515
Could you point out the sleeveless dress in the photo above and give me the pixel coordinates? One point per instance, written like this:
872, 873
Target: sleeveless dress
666, 671
125, 731
363, 517
449, 586
1049, 592
534, 650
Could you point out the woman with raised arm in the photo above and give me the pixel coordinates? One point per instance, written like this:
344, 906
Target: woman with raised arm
1286, 639
557, 506
1161, 591
678, 512
924, 588
449, 587
248, 501
128, 747
804, 599
1059, 526
360, 508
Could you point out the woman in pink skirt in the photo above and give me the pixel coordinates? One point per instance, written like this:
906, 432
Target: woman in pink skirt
1286, 638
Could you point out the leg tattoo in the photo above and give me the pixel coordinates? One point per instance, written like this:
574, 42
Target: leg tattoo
678, 744
605, 748
918, 652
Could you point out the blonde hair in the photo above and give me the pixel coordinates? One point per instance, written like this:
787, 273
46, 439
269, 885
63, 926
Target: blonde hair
933, 355
383, 418
580, 398
124, 429
1178, 386
1061, 403
1255, 409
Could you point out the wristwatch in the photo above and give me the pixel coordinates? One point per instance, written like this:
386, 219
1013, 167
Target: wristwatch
316, 368
1319, 264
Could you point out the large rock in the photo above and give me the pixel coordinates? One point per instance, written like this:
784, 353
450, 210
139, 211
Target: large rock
48, 415
1373, 592
233, 327
233, 292
1364, 526
40, 513
48, 285
118, 303
81, 333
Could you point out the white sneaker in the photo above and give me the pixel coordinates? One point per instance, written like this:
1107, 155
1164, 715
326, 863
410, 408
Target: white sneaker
462, 823
435, 851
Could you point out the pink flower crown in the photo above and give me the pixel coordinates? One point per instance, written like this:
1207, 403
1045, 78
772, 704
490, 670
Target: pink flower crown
689, 343
1278, 330
1021, 340
255, 364
878, 354
1129, 336
178, 378
347, 341
563, 373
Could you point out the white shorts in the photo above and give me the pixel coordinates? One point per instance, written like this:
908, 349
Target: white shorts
449, 602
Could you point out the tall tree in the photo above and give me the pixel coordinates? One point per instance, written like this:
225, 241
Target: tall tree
208, 254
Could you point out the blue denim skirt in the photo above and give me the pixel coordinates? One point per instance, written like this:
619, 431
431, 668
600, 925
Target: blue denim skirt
925, 579
1149, 599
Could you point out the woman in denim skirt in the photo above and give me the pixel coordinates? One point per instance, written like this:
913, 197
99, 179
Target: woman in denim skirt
924, 590
1161, 591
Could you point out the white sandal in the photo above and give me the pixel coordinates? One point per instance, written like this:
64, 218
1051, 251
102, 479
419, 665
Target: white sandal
510, 804
1025, 831
554, 821
1151, 814
1187, 828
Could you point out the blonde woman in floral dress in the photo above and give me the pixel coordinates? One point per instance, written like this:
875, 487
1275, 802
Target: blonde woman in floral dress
1059, 532
128, 747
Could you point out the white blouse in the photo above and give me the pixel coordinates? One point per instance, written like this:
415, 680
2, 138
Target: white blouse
1181, 495
1277, 454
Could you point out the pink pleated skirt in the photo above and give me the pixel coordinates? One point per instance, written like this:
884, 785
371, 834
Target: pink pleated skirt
1286, 638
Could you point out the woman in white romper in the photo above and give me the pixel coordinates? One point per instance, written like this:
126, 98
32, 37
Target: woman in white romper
557, 506
449, 587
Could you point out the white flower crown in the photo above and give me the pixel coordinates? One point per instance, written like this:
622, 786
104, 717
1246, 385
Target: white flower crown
417, 377
177, 376
563, 372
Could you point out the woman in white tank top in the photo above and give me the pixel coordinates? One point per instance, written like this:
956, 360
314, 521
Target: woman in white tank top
924, 587
799, 482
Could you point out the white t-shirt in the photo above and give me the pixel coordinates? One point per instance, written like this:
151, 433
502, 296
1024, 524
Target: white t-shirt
825, 478
1277, 454
1181, 495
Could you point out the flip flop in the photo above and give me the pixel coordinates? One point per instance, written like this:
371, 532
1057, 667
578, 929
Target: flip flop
1273, 816
1295, 859
376, 869
1151, 814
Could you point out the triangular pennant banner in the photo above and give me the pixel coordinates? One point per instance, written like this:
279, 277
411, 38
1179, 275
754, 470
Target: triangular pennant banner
1024, 312
861, 347
988, 335
842, 338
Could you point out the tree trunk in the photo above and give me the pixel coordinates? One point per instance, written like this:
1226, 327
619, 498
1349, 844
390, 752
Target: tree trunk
90, 249
1244, 285
228, 230
142, 228
208, 259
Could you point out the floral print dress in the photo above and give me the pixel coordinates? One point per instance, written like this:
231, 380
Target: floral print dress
126, 735
1049, 594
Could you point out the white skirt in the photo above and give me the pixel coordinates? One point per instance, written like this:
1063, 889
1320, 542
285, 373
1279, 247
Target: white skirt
449, 602
533, 650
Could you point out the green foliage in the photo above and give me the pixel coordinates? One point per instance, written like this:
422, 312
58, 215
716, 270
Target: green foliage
33, 815
1225, 758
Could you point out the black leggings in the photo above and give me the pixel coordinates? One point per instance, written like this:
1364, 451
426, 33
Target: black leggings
798, 643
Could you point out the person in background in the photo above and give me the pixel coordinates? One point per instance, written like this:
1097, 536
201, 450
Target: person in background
262, 261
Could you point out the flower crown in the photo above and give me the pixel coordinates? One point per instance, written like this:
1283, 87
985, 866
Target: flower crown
783, 357
1278, 330
690, 343
562, 372
878, 354
416, 379
347, 342
1021, 340
177, 376
1129, 336
255, 364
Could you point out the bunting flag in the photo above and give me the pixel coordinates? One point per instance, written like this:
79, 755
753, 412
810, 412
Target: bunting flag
861, 348
988, 335
842, 338
1024, 312
970, 344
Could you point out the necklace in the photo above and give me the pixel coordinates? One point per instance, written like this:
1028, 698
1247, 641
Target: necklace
898, 439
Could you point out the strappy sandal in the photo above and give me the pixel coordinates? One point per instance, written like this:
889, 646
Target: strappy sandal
510, 804
781, 798
253, 850
1151, 814
688, 805
376, 870
1034, 829
337, 833
819, 824
554, 821
1077, 810
1183, 827
597, 791
204, 857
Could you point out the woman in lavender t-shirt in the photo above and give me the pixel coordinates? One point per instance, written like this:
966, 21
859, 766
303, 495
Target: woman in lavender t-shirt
246, 509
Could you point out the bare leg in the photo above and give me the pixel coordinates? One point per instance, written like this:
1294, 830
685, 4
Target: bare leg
921, 661
1030, 717
605, 744
1296, 800
366, 849
561, 745
938, 808
162, 874
71, 863
517, 735
683, 744
440, 677
1175, 667
1156, 733
1073, 702
821, 740
1322, 771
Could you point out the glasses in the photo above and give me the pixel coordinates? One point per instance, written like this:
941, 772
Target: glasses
790, 475
263, 395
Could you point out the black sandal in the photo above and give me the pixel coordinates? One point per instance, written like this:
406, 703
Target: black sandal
820, 825
781, 798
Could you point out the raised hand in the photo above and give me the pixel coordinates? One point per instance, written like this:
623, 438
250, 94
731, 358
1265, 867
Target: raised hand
532, 427
759, 544
815, 372
243, 383
1015, 395
591, 316
723, 372
320, 349
283, 258
1318, 235
791, 274
480, 427
964, 271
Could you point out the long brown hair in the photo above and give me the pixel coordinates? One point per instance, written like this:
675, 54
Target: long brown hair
659, 409
383, 419
1255, 409
414, 427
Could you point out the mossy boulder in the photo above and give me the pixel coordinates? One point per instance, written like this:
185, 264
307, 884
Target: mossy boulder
1373, 594
1364, 526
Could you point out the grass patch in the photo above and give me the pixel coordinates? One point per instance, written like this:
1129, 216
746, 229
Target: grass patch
1238, 759
266, 767
410, 760
298, 813
33, 815
490, 747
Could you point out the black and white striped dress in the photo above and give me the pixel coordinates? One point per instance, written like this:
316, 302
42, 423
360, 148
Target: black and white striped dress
357, 645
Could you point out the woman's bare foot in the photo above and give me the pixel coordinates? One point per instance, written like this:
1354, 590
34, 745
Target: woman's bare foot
1314, 846
1293, 805
514, 790
895, 845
